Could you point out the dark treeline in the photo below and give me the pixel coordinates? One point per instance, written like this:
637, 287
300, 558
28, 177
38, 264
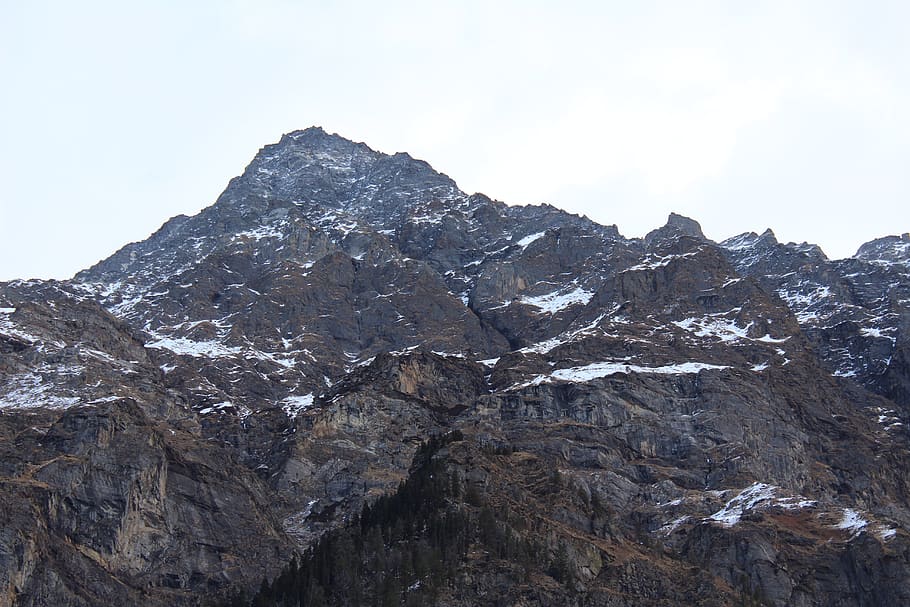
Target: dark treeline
403, 549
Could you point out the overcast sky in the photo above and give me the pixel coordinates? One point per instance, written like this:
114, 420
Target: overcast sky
115, 116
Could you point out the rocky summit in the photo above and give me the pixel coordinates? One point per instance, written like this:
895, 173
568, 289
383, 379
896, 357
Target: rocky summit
347, 382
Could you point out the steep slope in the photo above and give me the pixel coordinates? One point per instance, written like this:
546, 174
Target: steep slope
854, 311
111, 495
183, 417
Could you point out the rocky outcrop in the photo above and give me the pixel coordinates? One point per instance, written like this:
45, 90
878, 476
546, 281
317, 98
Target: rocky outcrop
105, 505
665, 420
854, 311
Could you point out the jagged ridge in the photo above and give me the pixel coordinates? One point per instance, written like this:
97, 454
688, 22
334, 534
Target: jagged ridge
338, 305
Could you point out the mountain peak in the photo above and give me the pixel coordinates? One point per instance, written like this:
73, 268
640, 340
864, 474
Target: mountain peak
310, 131
890, 249
283, 351
685, 225
317, 139
312, 166
676, 226
314, 137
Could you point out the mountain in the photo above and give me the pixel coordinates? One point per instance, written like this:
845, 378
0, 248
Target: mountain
354, 381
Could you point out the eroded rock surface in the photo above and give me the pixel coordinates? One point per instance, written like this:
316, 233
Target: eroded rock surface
669, 419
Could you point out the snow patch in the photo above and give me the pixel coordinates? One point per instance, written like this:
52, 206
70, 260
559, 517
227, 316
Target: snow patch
293, 405
887, 418
426, 219
567, 337
527, 240
31, 391
105, 399
604, 369
772, 340
714, 326
878, 333
556, 301
754, 496
216, 407
597, 370
267, 231
801, 301
741, 242
188, 347
673, 525
652, 262
283, 359
852, 522
747, 499
9, 328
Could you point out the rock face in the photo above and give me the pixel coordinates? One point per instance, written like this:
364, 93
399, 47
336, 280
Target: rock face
854, 311
663, 420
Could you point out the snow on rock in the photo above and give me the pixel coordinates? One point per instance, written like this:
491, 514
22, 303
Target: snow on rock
598, 370
750, 248
878, 333
296, 523
558, 300
293, 405
427, 218
766, 338
527, 240
10, 329
718, 326
126, 305
188, 347
741, 242
220, 407
806, 301
564, 338
754, 496
652, 262
887, 418
747, 499
282, 359
266, 231
104, 399
673, 525
887, 251
30, 390
852, 522
715, 326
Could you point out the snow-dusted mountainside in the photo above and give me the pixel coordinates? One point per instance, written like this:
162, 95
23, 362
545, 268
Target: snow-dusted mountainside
181, 418
854, 311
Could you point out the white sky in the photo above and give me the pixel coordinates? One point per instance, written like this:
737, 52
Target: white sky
115, 116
